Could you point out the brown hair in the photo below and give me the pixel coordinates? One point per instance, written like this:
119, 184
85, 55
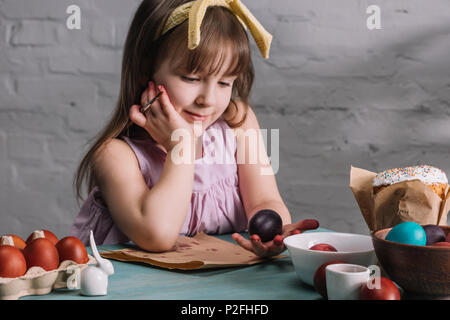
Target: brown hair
142, 53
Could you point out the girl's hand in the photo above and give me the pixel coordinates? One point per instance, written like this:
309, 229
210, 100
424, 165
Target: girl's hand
275, 246
161, 119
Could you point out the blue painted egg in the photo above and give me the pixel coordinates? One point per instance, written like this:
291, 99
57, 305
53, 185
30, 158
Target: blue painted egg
408, 233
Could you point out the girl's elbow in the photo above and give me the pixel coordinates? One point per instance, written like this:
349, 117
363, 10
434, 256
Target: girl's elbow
159, 247
160, 242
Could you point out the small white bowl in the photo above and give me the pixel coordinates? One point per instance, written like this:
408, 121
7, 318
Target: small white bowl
351, 248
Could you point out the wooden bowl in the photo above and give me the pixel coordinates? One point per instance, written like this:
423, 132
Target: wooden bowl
419, 270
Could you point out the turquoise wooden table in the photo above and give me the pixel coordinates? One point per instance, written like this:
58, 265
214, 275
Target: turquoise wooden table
270, 280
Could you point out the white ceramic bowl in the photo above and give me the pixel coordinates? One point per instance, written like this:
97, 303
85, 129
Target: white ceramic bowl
351, 248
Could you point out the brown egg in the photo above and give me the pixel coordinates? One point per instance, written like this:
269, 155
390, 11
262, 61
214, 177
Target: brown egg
12, 262
19, 243
441, 244
386, 291
38, 234
71, 248
41, 252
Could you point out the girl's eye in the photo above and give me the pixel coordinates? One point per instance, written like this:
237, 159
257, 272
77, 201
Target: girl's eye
189, 79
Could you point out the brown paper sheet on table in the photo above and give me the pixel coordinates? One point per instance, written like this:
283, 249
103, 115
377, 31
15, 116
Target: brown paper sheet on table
189, 253
403, 201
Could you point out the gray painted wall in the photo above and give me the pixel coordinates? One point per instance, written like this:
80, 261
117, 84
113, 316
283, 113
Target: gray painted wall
340, 94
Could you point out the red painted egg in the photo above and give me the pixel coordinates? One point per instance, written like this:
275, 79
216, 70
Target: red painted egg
71, 248
19, 243
41, 252
47, 234
320, 282
387, 290
441, 244
323, 247
12, 262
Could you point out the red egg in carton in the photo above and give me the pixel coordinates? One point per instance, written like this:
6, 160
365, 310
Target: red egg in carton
40, 264
37, 281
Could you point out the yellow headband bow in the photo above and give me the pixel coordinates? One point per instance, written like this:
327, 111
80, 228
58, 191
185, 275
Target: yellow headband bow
195, 12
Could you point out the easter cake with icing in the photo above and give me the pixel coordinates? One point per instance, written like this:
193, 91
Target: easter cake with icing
433, 177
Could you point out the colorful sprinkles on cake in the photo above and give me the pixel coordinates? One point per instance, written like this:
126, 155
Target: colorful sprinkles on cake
425, 173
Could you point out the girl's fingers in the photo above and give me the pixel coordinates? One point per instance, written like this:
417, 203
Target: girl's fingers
307, 224
258, 247
255, 245
148, 94
300, 226
166, 104
155, 108
278, 240
137, 117
145, 96
246, 244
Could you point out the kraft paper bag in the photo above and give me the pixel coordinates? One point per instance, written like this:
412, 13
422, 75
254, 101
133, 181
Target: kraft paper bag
400, 202
190, 253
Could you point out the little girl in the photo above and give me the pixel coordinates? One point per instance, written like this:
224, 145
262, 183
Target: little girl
196, 56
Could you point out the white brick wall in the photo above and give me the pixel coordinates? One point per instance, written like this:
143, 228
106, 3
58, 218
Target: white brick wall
340, 94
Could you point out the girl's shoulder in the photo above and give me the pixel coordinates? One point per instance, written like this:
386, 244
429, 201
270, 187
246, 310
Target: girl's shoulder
112, 154
243, 112
248, 117
114, 146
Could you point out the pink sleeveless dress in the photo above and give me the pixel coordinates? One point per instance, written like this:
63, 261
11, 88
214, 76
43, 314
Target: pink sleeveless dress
216, 206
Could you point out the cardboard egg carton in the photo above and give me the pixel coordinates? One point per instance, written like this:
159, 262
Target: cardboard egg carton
37, 281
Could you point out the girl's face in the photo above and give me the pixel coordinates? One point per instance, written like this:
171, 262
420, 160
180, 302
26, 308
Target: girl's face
206, 96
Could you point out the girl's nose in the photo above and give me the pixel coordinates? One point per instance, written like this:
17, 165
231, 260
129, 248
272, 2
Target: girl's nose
207, 96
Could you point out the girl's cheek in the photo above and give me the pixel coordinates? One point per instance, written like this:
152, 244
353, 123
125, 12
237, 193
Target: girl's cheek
183, 97
225, 101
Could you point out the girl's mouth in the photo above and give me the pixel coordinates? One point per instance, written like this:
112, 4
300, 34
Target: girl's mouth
196, 116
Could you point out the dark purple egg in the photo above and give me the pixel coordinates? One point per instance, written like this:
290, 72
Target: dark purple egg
434, 234
266, 224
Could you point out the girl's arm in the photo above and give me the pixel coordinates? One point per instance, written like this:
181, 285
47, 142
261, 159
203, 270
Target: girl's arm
259, 191
152, 218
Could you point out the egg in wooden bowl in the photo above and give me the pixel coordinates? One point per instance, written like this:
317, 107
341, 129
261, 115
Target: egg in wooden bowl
422, 271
